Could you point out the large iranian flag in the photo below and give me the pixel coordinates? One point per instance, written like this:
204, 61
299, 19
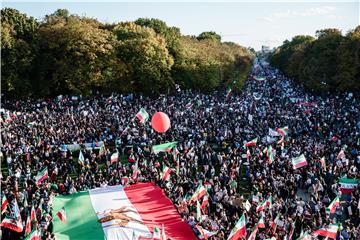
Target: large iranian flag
115, 212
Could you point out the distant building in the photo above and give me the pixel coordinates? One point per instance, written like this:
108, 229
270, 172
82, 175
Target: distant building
265, 49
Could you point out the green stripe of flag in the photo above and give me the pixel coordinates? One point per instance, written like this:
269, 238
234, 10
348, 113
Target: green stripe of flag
82, 222
163, 147
348, 181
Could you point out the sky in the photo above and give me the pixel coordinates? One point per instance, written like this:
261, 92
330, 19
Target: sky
248, 23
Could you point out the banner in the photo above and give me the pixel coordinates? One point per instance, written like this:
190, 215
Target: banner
77, 147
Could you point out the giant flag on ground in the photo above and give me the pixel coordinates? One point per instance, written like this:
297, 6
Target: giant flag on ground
116, 212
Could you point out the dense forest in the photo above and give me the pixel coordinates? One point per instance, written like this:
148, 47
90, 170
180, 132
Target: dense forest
328, 63
69, 54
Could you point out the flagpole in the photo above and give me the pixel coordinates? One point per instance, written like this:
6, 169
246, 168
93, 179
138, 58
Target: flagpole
128, 125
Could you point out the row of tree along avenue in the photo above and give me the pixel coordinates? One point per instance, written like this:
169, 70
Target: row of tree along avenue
328, 63
69, 54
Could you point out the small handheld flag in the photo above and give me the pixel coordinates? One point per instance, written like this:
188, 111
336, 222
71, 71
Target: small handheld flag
62, 215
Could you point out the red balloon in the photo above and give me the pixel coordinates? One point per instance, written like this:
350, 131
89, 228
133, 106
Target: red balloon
160, 122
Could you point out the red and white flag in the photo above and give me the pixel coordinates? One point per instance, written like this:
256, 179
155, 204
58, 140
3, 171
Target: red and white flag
330, 231
239, 230
28, 225
281, 141
205, 234
4, 202
248, 154
34, 235
274, 224
252, 143
341, 154
199, 193
333, 205
261, 223
253, 234
283, 131
41, 176
142, 115
166, 174
62, 215
261, 206
299, 161
12, 223
135, 170
32, 213
205, 202
114, 157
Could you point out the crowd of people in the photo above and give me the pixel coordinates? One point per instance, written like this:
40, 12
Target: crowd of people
211, 130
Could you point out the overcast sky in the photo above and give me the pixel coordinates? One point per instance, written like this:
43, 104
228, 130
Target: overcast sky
249, 23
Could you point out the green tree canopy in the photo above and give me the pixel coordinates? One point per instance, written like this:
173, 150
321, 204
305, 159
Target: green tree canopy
17, 51
171, 34
328, 63
209, 36
147, 58
74, 56
68, 54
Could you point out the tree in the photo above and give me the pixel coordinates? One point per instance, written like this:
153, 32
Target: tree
348, 70
147, 58
210, 36
17, 52
328, 63
69, 54
206, 65
75, 56
322, 61
171, 34
281, 56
